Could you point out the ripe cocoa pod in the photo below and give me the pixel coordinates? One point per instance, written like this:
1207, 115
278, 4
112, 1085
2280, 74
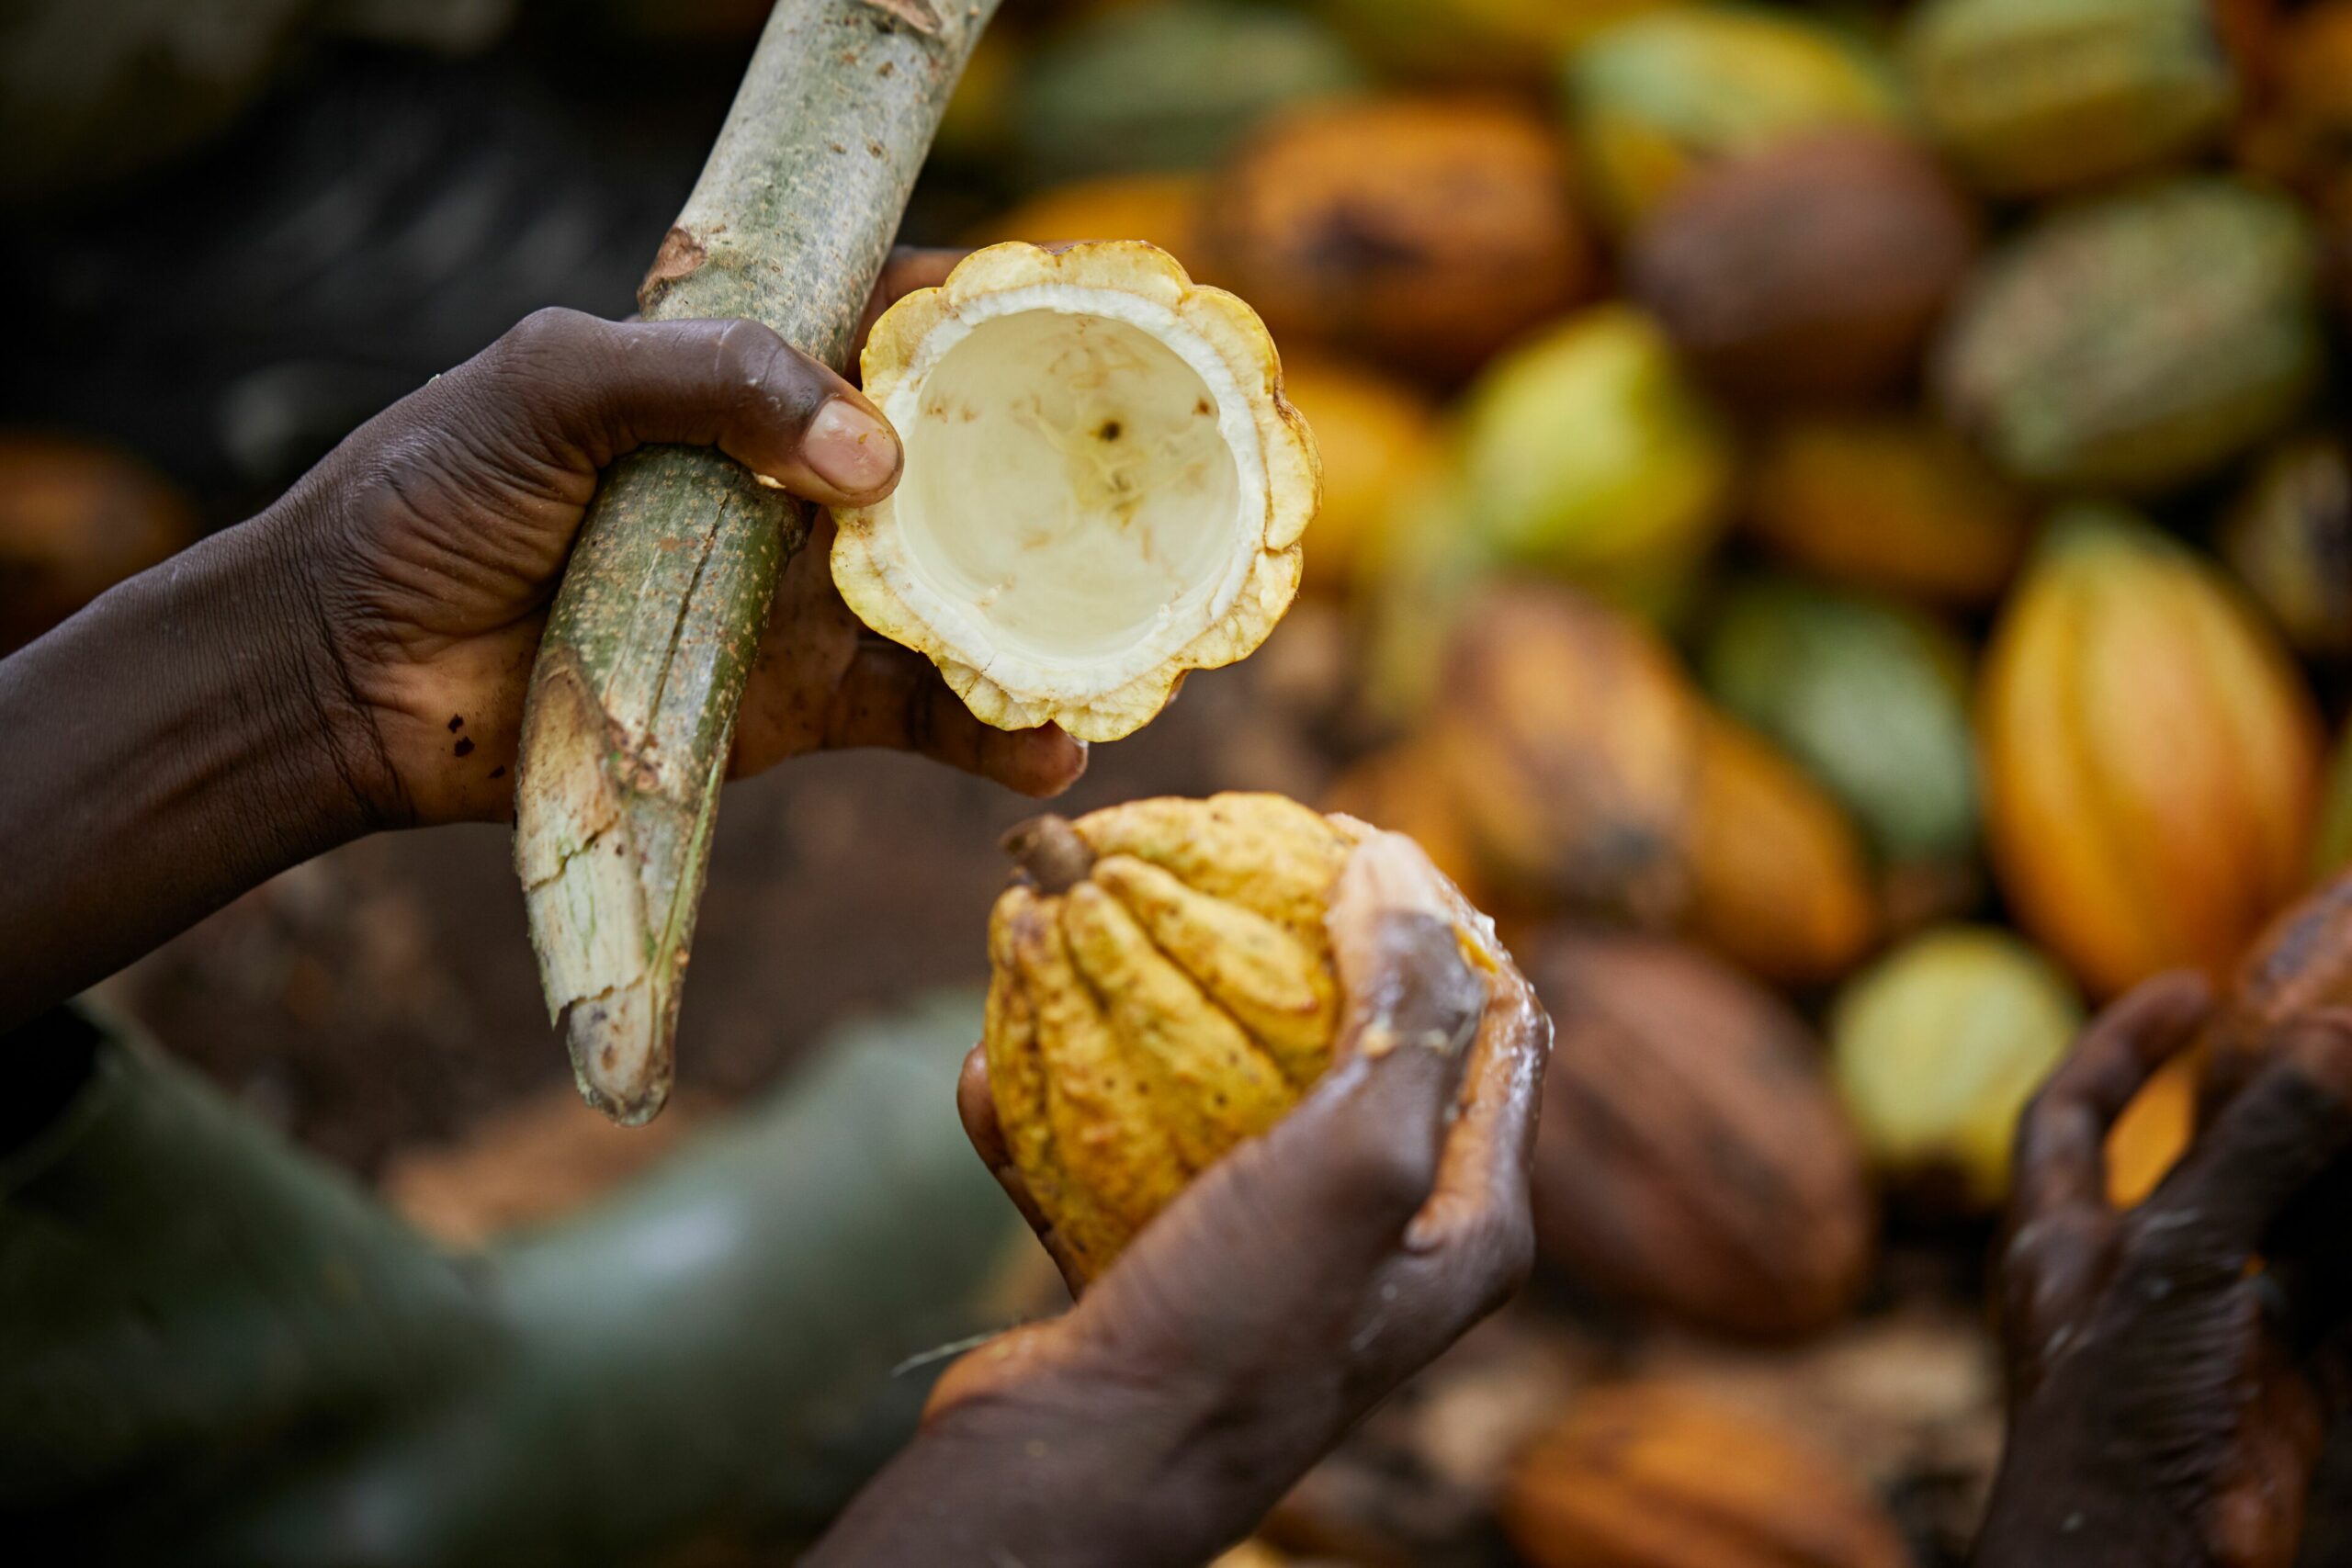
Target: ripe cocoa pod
1867, 696
1568, 740
1377, 439
1159, 210
1692, 1158
2304, 126
2290, 539
1816, 269
2139, 341
1779, 880
1473, 37
1938, 1046
1654, 1476
1161, 988
1423, 231
2029, 97
76, 519
2332, 844
1168, 84
2151, 756
1590, 455
1654, 99
1890, 501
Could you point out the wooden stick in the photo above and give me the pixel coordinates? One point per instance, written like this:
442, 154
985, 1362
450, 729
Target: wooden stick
631, 712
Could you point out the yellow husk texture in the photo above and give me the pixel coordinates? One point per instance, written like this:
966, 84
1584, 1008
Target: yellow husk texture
1175, 1002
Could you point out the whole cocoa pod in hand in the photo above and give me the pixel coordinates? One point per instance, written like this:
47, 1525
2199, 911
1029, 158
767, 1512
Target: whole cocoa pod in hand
1163, 987
1692, 1158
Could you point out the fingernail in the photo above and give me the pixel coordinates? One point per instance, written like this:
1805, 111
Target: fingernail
849, 448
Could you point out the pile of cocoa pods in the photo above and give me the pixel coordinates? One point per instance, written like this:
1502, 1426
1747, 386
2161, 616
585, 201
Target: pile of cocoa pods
1838, 533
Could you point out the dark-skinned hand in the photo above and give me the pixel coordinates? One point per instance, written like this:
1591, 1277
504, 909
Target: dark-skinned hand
1278, 1299
2172, 1368
433, 537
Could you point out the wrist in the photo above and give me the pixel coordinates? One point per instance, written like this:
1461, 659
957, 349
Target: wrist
2049, 1508
329, 744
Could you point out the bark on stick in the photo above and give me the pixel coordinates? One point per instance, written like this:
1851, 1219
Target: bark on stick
632, 704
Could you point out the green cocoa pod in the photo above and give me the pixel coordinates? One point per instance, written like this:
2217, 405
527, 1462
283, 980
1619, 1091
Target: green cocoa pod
1867, 696
1168, 84
1654, 99
1587, 453
2029, 97
2139, 341
2289, 537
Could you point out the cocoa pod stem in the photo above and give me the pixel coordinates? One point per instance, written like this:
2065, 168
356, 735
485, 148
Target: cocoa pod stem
1049, 853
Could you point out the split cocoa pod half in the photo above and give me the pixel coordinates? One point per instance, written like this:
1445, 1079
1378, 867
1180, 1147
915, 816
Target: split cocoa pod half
1163, 987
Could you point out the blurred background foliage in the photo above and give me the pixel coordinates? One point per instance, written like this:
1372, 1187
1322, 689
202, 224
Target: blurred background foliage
1838, 526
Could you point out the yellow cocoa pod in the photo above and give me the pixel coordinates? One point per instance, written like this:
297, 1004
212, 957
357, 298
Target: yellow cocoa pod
1653, 1475
1161, 988
1779, 883
2149, 757
1377, 437
1159, 210
1937, 1047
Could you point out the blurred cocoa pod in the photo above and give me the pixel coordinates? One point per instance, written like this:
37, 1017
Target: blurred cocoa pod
1424, 231
1652, 100
2139, 341
1167, 84
1779, 882
2151, 756
1377, 439
1162, 209
1568, 741
1478, 38
1692, 1160
2289, 538
1812, 270
2303, 134
1653, 1475
1404, 790
1869, 695
2332, 843
1937, 1047
1587, 453
2029, 97
76, 519
2154, 1131
1889, 501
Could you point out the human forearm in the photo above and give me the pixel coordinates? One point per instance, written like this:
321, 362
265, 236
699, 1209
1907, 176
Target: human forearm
166, 752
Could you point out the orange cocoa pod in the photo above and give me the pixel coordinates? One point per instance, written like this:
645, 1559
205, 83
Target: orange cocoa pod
1424, 231
1163, 210
1895, 502
1403, 790
1568, 737
1653, 1475
1693, 1158
2149, 753
1779, 880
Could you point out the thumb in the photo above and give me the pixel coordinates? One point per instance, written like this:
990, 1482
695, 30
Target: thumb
604, 388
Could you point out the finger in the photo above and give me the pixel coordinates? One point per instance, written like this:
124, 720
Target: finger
1481, 1210
2277, 1137
1360, 1157
892, 696
975, 1108
2060, 1159
604, 388
1385, 875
